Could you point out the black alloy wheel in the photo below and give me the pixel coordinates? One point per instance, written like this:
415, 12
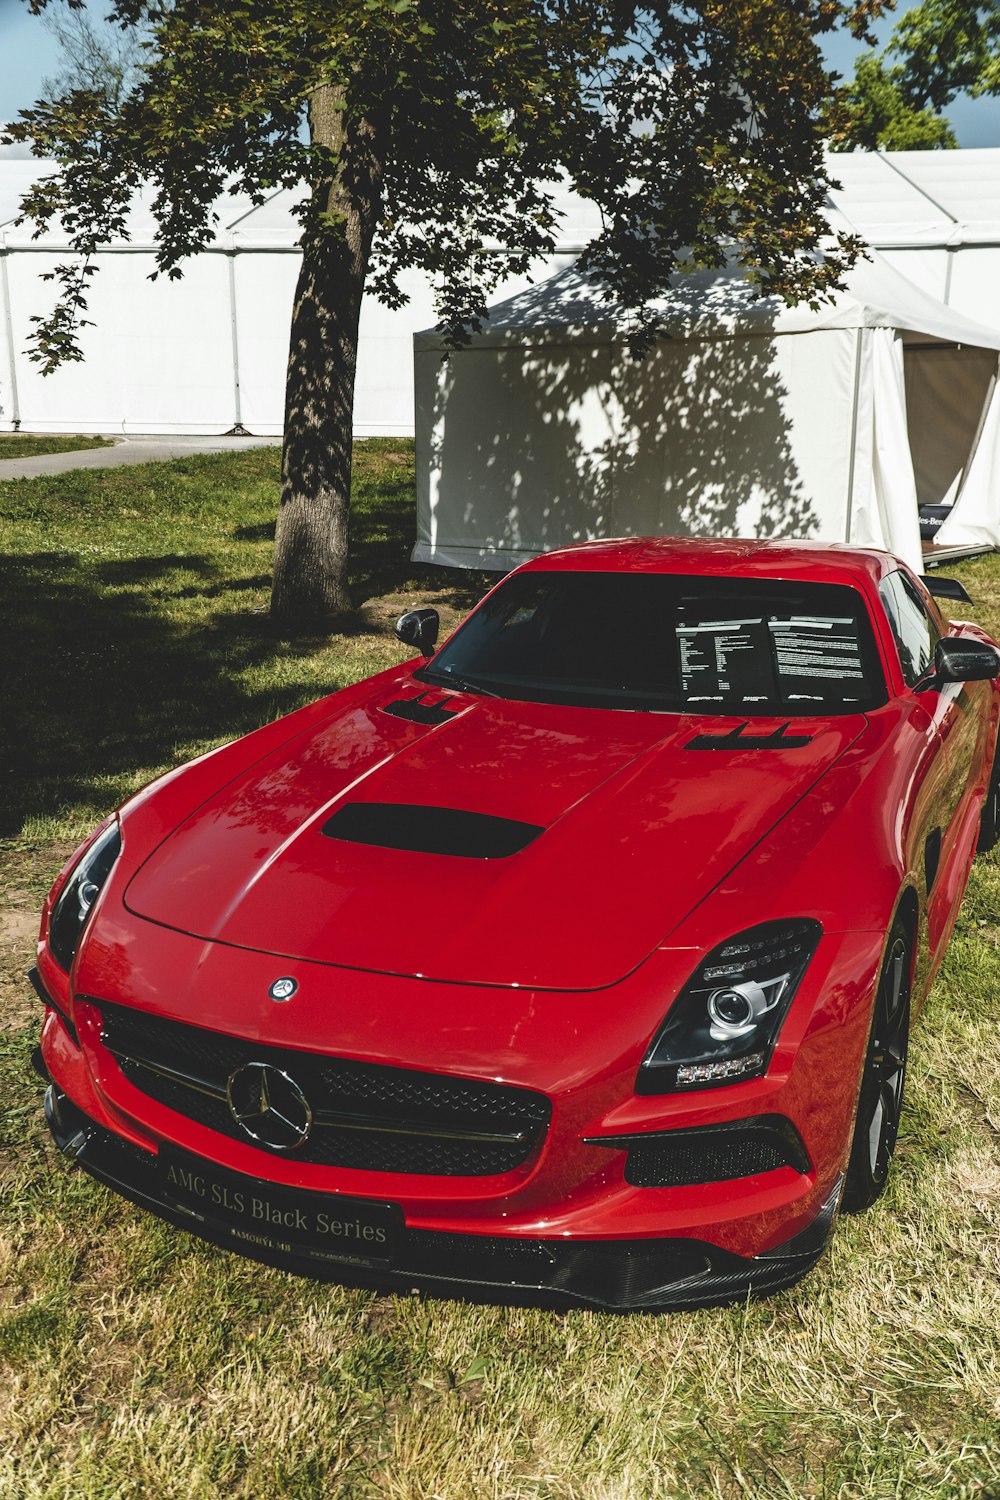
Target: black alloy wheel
880, 1099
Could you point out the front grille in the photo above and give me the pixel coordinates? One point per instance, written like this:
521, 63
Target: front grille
364, 1115
713, 1153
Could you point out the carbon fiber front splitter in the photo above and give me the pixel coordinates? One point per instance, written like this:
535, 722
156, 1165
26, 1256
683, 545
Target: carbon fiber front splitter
614, 1275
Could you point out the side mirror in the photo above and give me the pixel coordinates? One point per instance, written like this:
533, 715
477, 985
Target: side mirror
419, 627
945, 588
963, 660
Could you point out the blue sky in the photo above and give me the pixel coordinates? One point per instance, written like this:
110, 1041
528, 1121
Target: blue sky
28, 53
976, 122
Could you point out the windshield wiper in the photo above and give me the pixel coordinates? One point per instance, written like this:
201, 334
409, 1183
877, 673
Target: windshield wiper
465, 684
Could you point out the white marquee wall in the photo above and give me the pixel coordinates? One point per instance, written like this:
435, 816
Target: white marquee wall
208, 352
750, 419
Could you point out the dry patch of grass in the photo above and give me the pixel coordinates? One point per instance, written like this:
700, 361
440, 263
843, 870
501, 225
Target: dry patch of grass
136, 1362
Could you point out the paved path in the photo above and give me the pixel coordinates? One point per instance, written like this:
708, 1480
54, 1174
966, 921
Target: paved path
130, 450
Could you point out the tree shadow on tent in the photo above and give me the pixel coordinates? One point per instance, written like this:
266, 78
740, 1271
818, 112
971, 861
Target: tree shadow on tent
540, 436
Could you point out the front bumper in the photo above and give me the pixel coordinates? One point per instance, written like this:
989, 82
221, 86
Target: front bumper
613, 1275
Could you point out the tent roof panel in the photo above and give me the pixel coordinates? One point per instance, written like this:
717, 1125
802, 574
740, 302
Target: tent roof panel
912, 198
16, 177
965, 183
569, 307
875, 195
269, 223
892, 198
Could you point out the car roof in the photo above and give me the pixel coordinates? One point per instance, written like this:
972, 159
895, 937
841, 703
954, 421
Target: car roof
821, 562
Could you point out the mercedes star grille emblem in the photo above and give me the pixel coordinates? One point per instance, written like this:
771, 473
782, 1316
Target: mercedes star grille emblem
269, 1107
283, 989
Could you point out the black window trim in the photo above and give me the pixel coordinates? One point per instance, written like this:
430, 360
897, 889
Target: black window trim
922, 679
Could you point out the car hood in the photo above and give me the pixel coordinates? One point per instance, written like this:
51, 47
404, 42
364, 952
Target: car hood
594, 833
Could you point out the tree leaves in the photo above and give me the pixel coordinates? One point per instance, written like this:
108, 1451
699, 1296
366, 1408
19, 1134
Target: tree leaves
690, 125
436, 130
938, 49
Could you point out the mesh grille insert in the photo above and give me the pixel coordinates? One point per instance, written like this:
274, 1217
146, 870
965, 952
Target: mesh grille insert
365, 1115
714, 1153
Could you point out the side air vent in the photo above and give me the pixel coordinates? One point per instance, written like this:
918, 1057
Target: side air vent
430, 830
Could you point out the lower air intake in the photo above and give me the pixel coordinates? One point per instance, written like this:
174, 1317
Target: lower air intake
714, 1153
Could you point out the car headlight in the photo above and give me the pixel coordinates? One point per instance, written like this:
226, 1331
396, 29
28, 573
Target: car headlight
724, 1023
82, 888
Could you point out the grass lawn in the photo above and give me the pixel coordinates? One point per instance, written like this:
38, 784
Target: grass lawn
31, 444
137, 1363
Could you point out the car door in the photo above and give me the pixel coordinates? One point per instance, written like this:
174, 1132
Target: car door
956, 716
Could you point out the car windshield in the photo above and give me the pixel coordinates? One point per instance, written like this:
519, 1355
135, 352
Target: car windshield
669, 642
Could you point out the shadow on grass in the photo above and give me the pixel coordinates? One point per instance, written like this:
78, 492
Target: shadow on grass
264, 532
120, 572
381, 542
115, 667
101, 684
382, 539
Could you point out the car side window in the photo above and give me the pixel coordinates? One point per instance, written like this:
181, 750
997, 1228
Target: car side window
914, 632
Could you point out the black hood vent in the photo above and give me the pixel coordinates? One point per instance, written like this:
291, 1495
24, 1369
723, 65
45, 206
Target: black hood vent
417, 711
430, 830
736, 739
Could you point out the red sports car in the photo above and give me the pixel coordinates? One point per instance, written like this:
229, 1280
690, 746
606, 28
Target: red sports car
573, 961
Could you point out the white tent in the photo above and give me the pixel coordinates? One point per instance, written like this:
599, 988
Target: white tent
934, 215
203, 354
750, 418
206, 353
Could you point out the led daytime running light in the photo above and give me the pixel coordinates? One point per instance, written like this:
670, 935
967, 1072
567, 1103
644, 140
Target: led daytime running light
689, 1074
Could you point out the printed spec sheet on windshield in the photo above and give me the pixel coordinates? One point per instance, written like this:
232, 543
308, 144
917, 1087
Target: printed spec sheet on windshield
764, 658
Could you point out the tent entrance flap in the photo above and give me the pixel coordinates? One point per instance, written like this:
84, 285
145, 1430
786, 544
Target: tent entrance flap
886, 516
975, 516
947, 387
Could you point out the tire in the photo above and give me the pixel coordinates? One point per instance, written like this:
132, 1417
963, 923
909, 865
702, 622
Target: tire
880, 1097
989, 823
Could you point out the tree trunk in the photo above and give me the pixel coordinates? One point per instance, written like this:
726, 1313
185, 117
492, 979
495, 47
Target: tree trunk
311, 545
